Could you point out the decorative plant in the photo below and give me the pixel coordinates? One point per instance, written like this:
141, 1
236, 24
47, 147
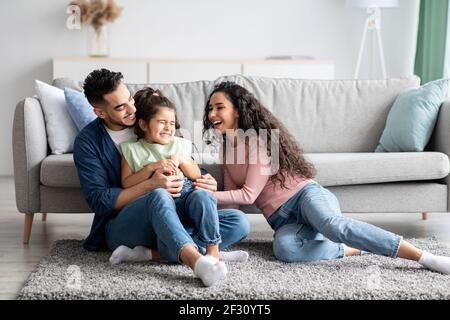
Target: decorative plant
97, 13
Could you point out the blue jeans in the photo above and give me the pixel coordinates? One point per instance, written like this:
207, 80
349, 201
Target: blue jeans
310, 227
197, 210
188, 186
152, 221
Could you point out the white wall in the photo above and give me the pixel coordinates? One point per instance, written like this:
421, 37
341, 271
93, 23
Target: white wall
32, 33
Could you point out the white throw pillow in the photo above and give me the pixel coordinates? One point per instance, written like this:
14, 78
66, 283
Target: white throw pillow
61, 130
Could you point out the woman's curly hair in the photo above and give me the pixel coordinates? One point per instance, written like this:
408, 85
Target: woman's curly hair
253, 115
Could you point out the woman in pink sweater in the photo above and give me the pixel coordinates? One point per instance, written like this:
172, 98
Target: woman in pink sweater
271, 172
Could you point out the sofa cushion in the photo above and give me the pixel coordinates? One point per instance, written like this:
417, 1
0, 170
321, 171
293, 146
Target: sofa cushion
59, 171
61, 130
411, 120
62, 83
333, 169
79, 108
338, 169
329, 115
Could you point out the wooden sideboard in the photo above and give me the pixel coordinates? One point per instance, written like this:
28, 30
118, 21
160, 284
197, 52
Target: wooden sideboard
137, 70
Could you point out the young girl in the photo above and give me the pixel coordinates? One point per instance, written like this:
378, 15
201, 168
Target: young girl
305, 216
158, 148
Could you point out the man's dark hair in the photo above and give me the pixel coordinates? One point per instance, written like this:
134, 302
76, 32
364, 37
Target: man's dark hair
100, 82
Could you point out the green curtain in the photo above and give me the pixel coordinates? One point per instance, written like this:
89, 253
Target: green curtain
431, 40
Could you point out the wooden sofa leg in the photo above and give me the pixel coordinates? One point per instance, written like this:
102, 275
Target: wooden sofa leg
424, 215
44, 217
27, 227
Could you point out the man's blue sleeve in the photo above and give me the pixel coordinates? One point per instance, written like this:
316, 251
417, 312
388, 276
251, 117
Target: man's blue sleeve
100, 196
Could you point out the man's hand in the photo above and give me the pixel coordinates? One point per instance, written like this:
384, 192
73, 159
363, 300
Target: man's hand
172, 184
206, 182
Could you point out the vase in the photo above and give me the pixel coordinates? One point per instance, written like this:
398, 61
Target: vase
98, 42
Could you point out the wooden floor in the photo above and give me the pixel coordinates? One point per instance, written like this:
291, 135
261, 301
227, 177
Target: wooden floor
17, 261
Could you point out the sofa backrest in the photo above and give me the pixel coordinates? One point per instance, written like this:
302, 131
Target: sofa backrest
323, 115
329, 115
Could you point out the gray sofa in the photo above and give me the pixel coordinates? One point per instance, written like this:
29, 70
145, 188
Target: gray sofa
337, 122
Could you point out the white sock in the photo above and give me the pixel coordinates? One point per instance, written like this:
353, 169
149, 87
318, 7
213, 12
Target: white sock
210, 270
435, 263
234, 256
124, 254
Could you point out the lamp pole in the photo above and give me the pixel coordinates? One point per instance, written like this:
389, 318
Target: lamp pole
373, 23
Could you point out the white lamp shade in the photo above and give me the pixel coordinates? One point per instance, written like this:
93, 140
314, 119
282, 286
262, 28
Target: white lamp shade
372, 3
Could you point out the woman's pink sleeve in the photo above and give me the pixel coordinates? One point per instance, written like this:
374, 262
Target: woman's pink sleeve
228, 184
254, 183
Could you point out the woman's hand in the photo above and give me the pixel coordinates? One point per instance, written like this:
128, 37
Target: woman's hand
206, 182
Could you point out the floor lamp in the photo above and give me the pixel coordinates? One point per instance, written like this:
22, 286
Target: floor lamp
372, 23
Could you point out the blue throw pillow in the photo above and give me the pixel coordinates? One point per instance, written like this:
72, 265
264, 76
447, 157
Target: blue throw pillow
412, 118
79, 108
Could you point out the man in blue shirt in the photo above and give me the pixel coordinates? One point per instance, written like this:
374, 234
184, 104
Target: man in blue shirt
144, 215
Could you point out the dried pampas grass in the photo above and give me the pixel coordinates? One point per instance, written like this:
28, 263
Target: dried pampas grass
97, 12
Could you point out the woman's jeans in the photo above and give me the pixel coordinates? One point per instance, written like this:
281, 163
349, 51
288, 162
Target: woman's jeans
310, 227
153, 221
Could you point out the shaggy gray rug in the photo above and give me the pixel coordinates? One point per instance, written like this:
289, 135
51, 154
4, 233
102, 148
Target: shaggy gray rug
69, 272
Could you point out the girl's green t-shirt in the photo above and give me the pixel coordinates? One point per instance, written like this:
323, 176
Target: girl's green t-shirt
140, 153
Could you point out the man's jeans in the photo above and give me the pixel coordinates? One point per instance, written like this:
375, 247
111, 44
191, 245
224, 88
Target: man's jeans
152, 221
310, 226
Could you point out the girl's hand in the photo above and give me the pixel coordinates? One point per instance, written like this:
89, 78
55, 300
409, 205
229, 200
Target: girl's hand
166, 165
176, 159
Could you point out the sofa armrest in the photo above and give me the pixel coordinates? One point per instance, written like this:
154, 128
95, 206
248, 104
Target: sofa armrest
29, 140
440, 140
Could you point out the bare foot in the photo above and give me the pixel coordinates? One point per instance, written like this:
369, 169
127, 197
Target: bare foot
348, 251
213, 250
